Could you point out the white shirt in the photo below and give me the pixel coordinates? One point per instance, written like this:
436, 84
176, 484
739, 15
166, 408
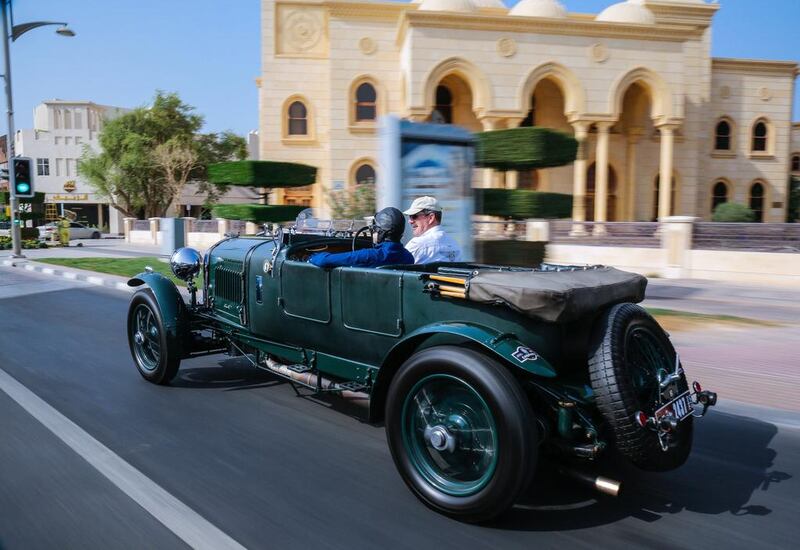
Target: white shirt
434, 246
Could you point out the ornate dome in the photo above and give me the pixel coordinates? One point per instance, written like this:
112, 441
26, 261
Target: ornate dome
632, 11
464, 6
493, 4
539, 8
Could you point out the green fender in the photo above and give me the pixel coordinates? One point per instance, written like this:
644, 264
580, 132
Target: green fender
173, 308
503, 345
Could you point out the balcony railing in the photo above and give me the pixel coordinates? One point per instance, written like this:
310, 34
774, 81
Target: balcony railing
755, 237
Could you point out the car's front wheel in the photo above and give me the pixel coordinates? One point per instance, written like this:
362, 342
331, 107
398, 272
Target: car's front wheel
461, 432
96, 235
155, 353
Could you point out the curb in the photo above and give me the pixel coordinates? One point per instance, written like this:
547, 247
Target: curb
27, 265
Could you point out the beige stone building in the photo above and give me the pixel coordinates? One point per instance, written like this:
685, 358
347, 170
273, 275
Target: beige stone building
635, 84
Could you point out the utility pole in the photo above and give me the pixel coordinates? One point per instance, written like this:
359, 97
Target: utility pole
11, 138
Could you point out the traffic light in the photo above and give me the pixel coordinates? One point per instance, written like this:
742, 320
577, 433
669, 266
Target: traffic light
23, 177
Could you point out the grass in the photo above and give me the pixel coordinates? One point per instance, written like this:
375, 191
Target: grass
125, 267
675, 320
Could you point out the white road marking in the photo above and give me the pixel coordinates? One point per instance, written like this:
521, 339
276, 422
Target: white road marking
187, 524
95, 280
69, 275
48, 270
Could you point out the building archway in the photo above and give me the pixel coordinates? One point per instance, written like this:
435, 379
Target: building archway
661, 96
611, 199
453, 104
459, 75
570, 86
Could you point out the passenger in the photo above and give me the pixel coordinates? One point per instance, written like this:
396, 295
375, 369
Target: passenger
430, 243
387, 230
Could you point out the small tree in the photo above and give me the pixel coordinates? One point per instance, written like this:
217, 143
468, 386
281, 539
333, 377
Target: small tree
260, 174
732, 212
355, 203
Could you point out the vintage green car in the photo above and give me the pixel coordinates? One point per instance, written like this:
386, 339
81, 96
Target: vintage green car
475, 369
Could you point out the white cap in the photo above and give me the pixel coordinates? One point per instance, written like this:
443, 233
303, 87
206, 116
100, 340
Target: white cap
423, 203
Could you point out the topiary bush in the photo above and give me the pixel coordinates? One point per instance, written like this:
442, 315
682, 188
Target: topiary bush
524, 148
522, 204
732, 212
264, 174
261, 173
258, 213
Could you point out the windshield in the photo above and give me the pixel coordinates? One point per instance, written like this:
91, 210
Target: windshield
307, 222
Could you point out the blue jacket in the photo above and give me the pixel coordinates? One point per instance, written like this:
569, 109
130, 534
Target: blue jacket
386, 253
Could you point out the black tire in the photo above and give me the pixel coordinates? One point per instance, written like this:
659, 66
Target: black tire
157, 355
511, 443
616, 378
96, 235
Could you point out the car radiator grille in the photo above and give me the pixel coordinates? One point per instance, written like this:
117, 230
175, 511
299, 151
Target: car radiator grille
228, 282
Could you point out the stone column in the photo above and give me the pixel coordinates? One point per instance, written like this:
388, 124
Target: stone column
222, 227
665, 170
537, 230
676, 241
601, 175
579, 178
127, 227
154, 226
634, 135
490, 178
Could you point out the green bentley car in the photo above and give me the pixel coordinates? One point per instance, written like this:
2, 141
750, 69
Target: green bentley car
475, 370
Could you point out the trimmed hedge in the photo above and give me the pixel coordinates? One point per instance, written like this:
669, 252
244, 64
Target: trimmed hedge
258, 213
261, 173
524, 148
522, 204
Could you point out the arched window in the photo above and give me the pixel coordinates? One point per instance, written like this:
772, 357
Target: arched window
722, 136
298, 119
443, 111
366, 102
656, 186
760, 133
719, 194
756, 201
611, 202
365, 175
796, 163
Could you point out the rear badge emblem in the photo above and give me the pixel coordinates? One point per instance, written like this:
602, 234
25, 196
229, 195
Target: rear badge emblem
523, 354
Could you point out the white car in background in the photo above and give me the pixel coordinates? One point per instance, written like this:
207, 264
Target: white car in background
76, 231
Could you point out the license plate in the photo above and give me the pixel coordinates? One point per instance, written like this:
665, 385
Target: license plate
680, 407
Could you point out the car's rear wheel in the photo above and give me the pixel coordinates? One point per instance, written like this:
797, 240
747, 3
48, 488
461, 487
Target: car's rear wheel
461, 433
155, 353
630, 354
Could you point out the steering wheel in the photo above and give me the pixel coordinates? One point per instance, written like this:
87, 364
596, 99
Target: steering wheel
357, 233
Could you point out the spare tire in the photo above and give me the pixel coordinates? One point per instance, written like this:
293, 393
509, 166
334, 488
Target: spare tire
628, 351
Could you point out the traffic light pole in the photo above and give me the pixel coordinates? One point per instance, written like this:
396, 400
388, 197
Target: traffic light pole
10, 139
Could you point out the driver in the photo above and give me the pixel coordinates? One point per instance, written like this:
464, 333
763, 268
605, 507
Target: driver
387, 230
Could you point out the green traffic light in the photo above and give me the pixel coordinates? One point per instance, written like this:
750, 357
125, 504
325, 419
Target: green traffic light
23, 188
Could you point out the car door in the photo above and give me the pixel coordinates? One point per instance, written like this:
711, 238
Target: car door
372, 300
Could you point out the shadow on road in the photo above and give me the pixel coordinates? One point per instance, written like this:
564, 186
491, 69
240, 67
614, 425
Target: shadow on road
730, 461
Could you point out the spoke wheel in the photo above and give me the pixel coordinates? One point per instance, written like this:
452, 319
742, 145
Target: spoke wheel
155, 350
629, 356
450, 434
461, 432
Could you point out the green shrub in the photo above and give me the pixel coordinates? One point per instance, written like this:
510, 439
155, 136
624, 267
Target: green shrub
522, 204
524, 148
732, 212
258, 213
349, 204
261, 173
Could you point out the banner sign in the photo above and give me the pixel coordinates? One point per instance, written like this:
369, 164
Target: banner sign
420, 159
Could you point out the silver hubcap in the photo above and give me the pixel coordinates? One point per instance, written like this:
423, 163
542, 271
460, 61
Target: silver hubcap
139, 337
439, 438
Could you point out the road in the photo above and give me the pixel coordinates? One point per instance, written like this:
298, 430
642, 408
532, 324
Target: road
248, 457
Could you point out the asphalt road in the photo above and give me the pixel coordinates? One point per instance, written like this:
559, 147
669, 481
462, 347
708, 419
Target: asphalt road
274, 470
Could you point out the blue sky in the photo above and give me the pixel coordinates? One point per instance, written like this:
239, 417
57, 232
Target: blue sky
208, 52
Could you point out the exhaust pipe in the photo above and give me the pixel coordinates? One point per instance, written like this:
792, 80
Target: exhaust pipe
599, 483
310, 380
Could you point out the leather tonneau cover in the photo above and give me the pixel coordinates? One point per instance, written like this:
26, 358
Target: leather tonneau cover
557, 296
